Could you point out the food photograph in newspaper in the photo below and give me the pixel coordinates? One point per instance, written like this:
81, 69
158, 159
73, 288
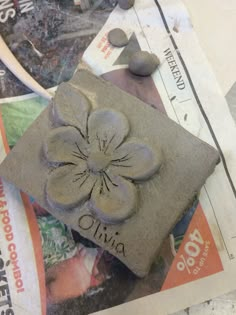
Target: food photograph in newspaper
48, 38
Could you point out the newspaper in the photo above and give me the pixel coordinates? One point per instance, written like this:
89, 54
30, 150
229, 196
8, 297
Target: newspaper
65, 274
191, 97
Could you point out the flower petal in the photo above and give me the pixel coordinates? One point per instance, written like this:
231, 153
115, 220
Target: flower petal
135, 160
69, 186
71, 107
65, 144
114, 199
107, 129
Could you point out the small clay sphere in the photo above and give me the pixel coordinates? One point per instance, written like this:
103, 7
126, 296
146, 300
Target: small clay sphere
143, 63
117, 37
126, 4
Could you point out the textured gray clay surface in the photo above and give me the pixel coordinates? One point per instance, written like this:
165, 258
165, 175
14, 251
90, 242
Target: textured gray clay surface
126, 4
117, 37
143, 63
175, 166
96, 165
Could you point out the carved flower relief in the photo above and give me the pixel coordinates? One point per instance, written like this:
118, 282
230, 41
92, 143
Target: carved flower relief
93, 162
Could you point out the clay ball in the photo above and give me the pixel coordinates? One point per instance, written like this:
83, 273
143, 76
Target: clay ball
117, 37
143, 63
126, 4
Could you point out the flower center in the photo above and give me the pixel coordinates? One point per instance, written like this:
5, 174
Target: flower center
98, 161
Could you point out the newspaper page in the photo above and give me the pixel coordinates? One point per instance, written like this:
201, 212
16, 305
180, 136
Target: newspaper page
61, 272
191, 96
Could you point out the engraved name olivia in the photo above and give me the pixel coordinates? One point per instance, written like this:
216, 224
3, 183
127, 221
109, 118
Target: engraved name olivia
101, 233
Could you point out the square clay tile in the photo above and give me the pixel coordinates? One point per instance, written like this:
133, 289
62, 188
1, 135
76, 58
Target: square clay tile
162, 193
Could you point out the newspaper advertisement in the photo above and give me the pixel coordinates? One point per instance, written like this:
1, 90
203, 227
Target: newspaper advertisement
47, 268
47, 38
